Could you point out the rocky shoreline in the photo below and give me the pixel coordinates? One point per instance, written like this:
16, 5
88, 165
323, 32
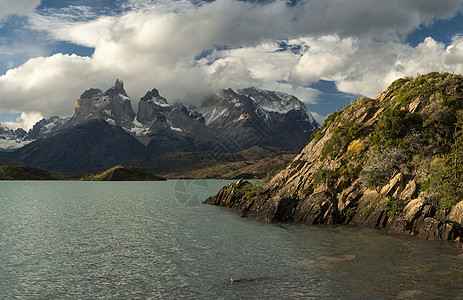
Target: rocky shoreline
419, 217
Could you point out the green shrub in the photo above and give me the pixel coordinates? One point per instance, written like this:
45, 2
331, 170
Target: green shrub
394, 205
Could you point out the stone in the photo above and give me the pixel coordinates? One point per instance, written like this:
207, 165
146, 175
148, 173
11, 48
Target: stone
414, 105
409, 190
456, 214
413, 209
429, 229
395, 183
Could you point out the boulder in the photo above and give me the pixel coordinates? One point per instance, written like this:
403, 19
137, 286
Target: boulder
414, 208
456, 214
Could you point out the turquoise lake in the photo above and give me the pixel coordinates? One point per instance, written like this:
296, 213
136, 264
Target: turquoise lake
155, 240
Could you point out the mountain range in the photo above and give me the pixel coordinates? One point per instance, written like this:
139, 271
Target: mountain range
105, 130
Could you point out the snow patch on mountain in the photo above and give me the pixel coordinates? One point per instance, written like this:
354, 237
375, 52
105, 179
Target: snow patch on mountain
213, 113
272, 101
7, 143
12, 139
138, 129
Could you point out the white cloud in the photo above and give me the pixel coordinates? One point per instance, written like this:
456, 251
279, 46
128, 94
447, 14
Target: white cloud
25, 121
367, 67
354, 43
10, 7
79, 25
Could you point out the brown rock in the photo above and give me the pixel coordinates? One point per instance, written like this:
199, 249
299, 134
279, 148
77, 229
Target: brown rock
414, 105
414, 208
456, 214
409, 190
394, 184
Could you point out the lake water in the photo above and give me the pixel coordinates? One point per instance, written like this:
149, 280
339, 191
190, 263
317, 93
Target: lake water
139, 240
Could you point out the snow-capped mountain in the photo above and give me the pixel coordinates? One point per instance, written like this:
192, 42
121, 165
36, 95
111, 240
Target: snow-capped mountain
104, 129
12, 139
248, 117
45, 127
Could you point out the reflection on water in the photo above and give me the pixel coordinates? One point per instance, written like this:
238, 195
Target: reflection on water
142, 240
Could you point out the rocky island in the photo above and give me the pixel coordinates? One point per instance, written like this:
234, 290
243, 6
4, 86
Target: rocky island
392, 162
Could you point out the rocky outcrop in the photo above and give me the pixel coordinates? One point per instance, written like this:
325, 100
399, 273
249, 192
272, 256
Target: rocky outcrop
376, 163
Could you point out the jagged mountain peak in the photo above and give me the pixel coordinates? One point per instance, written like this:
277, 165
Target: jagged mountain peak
258, 117
12, 139
117, 89
113, 106
272, 101
154, 97
90, 93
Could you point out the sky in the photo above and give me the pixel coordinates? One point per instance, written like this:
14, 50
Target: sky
327, 53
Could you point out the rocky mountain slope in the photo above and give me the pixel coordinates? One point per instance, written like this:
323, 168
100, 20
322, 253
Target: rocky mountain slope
105, 131
392, 162
45, 127
166, 128
254, 117
93, 144
12, 139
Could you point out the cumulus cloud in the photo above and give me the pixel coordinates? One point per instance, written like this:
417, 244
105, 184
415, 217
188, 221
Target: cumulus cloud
25, 121
185, 50
367, 67
10, 7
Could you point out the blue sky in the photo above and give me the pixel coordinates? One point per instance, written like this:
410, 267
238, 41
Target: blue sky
327, 53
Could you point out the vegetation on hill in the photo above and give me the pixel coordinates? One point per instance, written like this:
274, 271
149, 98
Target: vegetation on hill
24, 173
123, 173
418, 132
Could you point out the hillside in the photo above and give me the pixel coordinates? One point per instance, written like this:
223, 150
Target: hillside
255, 162
395, 161
123, 173
19, 172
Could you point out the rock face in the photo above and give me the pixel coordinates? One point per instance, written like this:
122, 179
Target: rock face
113, 106
254, 117
379, 162
45, 127
167, 128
